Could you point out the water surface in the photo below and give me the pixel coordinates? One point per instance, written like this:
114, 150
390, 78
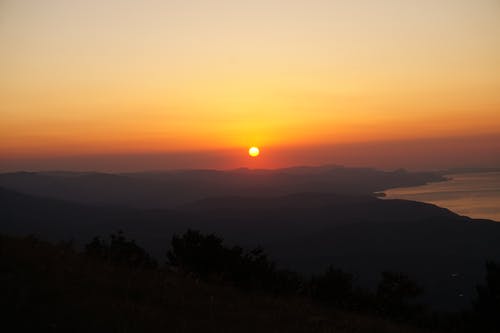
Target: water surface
476, 195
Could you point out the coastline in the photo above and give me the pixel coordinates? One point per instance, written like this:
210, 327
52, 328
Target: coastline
472, 194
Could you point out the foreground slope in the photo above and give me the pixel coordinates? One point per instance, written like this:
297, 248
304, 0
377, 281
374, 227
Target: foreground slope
53, 289
304, 232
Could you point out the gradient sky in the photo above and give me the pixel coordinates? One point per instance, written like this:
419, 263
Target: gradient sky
104, 77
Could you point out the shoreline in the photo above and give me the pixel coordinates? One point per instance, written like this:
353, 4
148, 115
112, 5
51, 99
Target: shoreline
472, 194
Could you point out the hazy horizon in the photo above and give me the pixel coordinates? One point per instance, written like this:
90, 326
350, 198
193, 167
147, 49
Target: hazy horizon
428, 154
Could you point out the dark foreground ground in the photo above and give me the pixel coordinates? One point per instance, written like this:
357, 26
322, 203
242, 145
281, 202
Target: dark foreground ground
51, 288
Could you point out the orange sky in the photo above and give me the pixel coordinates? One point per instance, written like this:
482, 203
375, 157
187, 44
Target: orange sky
101, 77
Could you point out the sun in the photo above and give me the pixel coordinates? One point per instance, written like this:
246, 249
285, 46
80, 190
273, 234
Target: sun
253, 152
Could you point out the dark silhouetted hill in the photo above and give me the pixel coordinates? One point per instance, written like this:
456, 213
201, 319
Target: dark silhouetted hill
169, 189
52, 288
304, 232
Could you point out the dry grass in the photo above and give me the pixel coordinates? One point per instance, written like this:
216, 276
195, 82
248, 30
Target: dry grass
53, 289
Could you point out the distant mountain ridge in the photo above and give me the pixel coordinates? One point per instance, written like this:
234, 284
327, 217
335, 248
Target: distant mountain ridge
172, 188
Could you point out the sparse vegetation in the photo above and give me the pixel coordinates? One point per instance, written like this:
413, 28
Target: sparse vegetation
52, 288
116, 286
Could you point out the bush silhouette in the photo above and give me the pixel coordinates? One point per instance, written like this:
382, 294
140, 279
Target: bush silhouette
120, 251
203, 255
207, 257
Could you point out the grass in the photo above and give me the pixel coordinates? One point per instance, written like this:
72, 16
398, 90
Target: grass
52, 288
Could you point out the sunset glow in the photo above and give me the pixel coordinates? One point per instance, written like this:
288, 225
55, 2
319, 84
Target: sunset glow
85, 78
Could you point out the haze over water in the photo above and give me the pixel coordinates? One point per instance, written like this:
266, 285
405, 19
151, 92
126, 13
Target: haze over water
476, 195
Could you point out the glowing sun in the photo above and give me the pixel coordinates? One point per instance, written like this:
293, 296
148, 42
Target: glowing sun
253, 151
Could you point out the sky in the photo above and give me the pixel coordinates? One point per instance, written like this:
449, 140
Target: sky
195, 83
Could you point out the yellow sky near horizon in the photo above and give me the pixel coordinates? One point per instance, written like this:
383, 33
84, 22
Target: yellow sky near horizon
87, 77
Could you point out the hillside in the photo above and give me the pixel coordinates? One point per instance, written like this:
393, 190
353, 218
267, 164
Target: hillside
303, 232
51, 288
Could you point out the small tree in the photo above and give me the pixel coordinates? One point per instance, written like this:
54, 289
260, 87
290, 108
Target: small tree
207, 257
201, 254
120, 251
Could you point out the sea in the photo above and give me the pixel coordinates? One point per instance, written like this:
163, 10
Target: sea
476, 195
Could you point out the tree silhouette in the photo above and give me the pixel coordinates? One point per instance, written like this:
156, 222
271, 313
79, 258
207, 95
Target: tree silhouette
207, 257
120, 251
202, 254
